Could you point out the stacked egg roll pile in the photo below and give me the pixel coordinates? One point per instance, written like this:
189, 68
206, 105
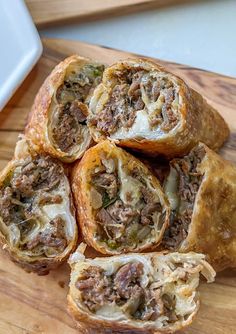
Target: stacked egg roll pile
79, 162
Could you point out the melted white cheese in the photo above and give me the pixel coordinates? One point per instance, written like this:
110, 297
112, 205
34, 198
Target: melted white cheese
141, 127
110, 311
171, 187
129, 185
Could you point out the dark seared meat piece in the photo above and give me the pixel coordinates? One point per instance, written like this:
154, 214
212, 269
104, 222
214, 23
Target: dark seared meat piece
114, 219
127, 279
77, 110
170, 119
7, 208
95, 287
178, 230
122, 214
189, 182
152, 306
52, 236
41, 174
107, 182
67, 133
167, 119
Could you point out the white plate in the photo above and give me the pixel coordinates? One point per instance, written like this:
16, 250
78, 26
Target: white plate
20, 46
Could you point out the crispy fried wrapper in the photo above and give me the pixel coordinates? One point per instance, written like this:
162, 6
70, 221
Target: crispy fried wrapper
201, 188
120, 204
136, 293
38, 229
141, 105
58, 121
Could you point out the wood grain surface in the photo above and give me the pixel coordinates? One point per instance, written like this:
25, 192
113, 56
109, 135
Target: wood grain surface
32, 304
48, 12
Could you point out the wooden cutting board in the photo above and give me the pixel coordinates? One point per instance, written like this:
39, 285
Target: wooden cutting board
48, 12
31, 304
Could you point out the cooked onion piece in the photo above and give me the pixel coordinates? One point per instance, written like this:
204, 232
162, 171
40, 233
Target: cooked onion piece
121, 206
142, 106
201, 189
144, 293
37, 224
58, 121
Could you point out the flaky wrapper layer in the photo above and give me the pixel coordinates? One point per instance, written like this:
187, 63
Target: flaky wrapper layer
81, 185
199, 122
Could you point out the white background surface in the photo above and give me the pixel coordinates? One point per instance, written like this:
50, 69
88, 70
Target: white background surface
200, 35
20, 46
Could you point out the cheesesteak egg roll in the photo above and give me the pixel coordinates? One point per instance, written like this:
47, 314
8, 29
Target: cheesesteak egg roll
201, 188
37, 223
121, 206
142, 106
57, 123
136, 293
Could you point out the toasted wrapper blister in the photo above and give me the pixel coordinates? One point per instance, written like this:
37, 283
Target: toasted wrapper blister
120, 204
173, 278
212, 227
141, 105
38, 229
57, 122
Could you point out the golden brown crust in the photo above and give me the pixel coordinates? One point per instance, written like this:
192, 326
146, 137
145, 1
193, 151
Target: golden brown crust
37, 263
81, 185
38, 127
199, 122
89, 322
213, 226
91, 325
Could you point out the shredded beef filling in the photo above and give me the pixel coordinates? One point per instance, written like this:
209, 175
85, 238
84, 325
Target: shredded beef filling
189, 181
125, 290
29, 187
96, 288
71, 112
53, 236
68, 132
121, 224
135, 88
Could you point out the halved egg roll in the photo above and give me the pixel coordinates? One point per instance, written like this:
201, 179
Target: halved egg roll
136, 293
57, 123
37, 223
121, 206
141, 105
201, 188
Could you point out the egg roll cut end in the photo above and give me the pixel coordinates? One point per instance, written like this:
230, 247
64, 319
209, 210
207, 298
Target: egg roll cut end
181, 188
143, 106
37, 223
139, 101
130, 209
69, 110
121, 206
150, 292
57, 123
